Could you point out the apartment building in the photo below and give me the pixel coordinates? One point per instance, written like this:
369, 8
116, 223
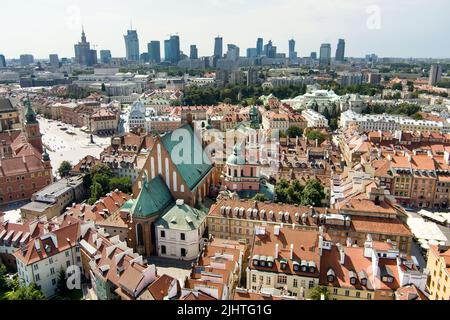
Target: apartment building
285, 259
314, 119
438, 264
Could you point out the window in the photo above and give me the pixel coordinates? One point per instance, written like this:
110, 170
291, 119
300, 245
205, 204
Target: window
183, 237
37, 277
53, 282
358, 294
253, 278
50, 260
52, 270
163, 250
347, 292
67, 253
282, 279
68, 263
268, 281
311, 284
335, 291
36, 267
163, 234
295, 283
183, 252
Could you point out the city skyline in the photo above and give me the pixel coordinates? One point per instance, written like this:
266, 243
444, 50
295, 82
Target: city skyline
379, 26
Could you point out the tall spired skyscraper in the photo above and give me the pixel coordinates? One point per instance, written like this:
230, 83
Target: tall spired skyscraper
83, 53
292, 53
340, 51
259, 47
132, 45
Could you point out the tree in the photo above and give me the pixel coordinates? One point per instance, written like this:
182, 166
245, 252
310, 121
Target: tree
3, 281
64, 169
398, 86
32, 292
294, 132
123, 184
313, 193
96, 193
260, 197
61, 286
318, 292
316, 135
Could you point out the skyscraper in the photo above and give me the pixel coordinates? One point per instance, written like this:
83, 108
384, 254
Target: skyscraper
105, 56
325, 55
313, 55
340, 51
218, 47
175, 49
292, 53
2, 61
83, 53
194, 52
270, 51
259, 47
167, 51
154, 52
233, 52
435, 74
132, 45
54, 60
252, 53
26, 59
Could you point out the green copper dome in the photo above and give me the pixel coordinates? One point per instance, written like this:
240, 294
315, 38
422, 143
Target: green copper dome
45, 156
30, 115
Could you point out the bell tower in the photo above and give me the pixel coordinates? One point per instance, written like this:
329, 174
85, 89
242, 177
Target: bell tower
31, 127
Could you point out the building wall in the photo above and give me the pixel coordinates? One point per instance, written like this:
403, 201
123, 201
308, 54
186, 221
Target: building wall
439, 279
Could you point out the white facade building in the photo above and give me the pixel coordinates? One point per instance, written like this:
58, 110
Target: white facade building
179, 232
315, 119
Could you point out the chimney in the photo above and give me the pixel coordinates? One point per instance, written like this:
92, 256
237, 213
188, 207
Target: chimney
277, 250
292, 251
277, 230
349, 242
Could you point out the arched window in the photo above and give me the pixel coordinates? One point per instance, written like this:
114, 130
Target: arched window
140, 235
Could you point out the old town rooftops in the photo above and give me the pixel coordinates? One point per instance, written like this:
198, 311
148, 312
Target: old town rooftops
288, 251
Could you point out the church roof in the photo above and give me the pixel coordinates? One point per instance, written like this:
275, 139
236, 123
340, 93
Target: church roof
153, 199
182, 217
196, 169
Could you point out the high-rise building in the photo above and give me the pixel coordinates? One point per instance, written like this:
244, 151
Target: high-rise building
340, 51
26, 59
292, 53
259, 47
252, 53
233, 52
167, 50
325, 55
132, 45
270, 51
105, 56
154, 52
2, 61
313, 55
83, 53
194, 52
435, 74
54, 60
218, 47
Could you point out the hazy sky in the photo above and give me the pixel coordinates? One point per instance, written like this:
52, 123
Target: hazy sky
406, 28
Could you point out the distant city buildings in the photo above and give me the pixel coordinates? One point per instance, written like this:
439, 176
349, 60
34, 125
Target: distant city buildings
105, 56
172, 50
54, 61
435, 74
2, 61
325, 55
83, 53
194, 52
292, 52
218, 47
259, 47
340, 51
26, 59
154, 52
132, 46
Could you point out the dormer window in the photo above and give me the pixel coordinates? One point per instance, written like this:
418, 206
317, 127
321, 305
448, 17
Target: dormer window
283, 264
304, 266
364, 282
330, 275
312, 267
296, 266
353, 277
256, 261
263, 261
270, 261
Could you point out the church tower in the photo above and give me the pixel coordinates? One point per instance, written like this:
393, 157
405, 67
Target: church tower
31, 128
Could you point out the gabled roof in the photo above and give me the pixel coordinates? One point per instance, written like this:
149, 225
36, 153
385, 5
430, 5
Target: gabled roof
194, 171
153, 198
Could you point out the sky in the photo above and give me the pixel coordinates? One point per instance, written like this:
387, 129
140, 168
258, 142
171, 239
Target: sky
389, 28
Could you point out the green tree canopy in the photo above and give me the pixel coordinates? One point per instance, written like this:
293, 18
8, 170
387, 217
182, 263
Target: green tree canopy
317, 293
316, 135
294, 132
123, 184
64, 169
